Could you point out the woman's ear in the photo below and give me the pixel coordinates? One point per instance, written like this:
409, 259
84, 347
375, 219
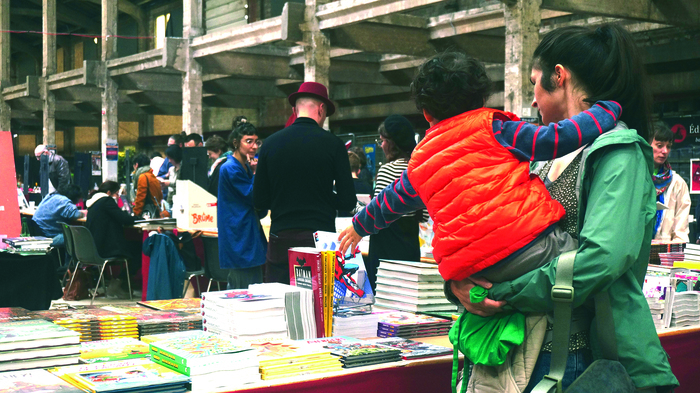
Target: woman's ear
428, 117
560, 75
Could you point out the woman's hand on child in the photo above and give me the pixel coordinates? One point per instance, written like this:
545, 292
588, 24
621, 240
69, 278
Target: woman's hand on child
349, 239
486, 308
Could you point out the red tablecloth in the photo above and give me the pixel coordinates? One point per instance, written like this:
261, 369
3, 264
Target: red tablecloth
683, 348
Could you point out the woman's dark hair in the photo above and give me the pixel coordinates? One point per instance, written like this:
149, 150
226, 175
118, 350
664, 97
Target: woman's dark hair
174, 153
449, 84
178, 138
109, 185
393, 151
71, 191
141, 160
216, 143
606, 65
194, 137
156, 154
239, 132
661, 133
238, 121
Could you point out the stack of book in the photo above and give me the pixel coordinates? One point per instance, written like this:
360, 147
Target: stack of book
38, 380
668, 258
413, 349
34, 244
112, 350
409, 325
658, 247
685, 309
244, 315
411, 286
298, 308
363, 353
282, 359
133, 375
692, 253
313, 269
212, 362
93, 323
35, 344
151, 321
166, 336
360, 323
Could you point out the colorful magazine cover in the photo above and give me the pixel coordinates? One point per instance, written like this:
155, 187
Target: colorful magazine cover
34, 381
32, 330
361, 350
200, 345
402, 318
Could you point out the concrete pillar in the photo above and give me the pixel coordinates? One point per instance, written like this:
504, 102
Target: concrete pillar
192, 80
522, 22
110, 120
48, 68
317, 50
5, 114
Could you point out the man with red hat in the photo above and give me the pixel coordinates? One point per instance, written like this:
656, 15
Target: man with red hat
297, 169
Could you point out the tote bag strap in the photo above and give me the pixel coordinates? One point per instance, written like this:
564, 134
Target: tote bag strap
563, 295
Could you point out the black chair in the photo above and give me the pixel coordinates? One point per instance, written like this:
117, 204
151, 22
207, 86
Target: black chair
86, 253
212, 269
70, 250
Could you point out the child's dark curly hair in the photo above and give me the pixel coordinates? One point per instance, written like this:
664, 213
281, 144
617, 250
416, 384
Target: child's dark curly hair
449, 84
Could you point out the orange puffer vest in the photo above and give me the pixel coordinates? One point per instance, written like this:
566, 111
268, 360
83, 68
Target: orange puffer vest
482, 199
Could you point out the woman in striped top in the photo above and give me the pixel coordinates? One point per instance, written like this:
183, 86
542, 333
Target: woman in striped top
400, 239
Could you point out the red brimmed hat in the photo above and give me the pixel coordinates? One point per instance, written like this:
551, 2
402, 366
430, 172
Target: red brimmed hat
316, 90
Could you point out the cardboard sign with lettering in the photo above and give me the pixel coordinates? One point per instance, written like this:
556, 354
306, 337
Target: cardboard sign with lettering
198, 207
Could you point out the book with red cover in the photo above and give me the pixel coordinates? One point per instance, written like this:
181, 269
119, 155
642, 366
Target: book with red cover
306, 271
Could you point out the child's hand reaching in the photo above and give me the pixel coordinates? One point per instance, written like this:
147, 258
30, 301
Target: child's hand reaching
349, 239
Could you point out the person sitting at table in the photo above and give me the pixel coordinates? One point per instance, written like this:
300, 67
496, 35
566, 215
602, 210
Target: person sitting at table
59, 206
146, 188
106, 222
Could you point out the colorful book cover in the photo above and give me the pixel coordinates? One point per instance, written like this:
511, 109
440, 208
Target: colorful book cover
193, 350
306, 271
34, 381
401, 319
112, 350
349, 351
413, 349
14, 314
351, 287
173, 304
121, 375
274, 352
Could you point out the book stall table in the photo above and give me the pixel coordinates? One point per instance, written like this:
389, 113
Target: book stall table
683, 348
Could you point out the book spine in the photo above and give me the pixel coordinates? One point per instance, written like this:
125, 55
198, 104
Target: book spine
318, 290
166, 362
155, 349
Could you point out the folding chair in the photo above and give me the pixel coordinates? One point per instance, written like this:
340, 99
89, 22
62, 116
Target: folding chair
86, 253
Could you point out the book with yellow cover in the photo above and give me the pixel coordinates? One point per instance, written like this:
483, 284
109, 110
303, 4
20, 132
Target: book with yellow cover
133, 374
111, 350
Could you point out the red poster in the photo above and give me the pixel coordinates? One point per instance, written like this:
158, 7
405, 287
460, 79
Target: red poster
10, 223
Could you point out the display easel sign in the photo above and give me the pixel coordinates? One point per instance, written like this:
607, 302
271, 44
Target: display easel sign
10, 223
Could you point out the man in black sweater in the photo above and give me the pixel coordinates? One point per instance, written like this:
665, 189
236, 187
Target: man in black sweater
297, 168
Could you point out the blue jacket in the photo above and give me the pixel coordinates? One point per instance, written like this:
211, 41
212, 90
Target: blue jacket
242, 243
166, 273
52, 209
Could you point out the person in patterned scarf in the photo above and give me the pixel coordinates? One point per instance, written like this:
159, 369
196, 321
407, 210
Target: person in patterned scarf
671, 190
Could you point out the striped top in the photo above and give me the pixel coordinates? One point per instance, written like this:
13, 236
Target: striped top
390, 172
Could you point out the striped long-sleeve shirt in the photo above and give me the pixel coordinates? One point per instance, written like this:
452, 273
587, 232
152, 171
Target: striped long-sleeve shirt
525, 141
388, 173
